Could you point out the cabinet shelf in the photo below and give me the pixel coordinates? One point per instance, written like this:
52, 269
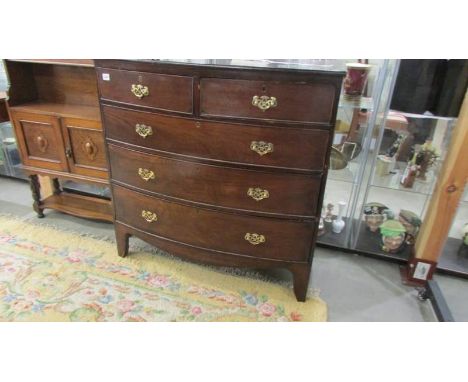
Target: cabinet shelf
60, 110
357, 103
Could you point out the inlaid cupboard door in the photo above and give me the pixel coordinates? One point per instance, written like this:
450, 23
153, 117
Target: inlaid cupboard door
85, 147
40, 141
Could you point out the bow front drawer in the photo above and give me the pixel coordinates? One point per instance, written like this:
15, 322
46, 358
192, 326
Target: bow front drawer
229, 187
159, 91
268, 100
292, 148
226, 232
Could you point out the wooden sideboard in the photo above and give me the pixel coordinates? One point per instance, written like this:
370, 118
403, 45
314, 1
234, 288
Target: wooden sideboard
220, 164
54, 107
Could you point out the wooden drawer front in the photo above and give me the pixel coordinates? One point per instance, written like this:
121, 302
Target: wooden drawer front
40, 141
303, 149
220, 186
296, 102
284, 239
86, 141
165, 92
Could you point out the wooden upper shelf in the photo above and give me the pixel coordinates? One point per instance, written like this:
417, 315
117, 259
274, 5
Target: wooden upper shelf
60, 110
74, 62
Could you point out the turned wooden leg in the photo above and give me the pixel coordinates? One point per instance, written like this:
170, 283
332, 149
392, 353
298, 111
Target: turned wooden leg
56, 184
301, 274
121, 237
36, 194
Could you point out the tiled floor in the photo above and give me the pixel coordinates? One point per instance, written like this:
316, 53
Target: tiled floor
356, 288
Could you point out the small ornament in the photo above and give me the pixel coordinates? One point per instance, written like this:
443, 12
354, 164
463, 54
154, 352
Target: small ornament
411, 222
321, 225
425, 158
338, 224
463, 250
329, 214
375, 214
393, 236
409, 175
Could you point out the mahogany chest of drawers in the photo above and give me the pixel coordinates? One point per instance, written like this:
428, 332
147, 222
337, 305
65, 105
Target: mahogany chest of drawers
217, 163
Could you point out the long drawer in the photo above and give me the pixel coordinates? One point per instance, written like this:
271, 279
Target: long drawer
279, 193
267, 100
238, 234
291, 148
159, 91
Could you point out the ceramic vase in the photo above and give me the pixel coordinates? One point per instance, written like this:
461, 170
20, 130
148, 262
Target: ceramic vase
338, 224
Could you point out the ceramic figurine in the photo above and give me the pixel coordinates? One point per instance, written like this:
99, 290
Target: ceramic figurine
329, 214
393, 236
374, 215
425, 158
338, 224
411, 222
409, 175
321, 226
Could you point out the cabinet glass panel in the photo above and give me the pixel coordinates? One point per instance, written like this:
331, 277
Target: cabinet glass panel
356, 135
454, 258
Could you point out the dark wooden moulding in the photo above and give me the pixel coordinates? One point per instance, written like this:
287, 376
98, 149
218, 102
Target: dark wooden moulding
203, 122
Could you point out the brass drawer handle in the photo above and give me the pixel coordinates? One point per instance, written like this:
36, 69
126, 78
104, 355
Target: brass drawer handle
254, 238
149, 216
143, 130
261, 147
264, 102
146, 174
257, 193
140, 91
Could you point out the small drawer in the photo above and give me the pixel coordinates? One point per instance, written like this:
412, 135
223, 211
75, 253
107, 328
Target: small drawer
268, 100
267, 238
291, 148
278, 193
159, 91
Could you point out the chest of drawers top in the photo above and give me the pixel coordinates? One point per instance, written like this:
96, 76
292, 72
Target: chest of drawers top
270, 96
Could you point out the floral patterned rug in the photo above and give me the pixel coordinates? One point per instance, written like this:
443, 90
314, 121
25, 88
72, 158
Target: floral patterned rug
51, 275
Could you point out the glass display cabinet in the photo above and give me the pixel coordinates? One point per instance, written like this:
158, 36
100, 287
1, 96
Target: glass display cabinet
393, 161
357, 134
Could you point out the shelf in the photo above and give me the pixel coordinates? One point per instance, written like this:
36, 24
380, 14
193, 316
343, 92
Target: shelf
356, 103
332, 238
60, 110
80, 205
421, 116
347, 174
392, 181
